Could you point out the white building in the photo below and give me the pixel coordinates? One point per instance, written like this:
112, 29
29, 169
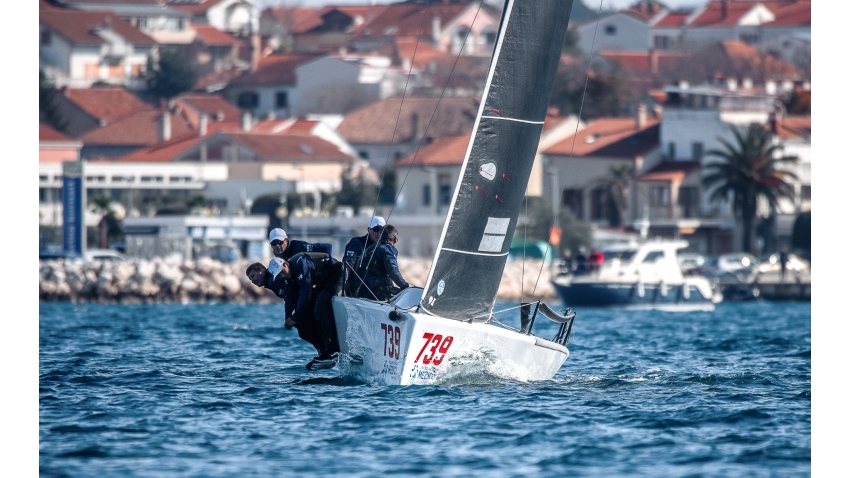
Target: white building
79, 48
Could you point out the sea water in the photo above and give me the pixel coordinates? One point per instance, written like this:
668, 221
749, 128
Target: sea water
221, 390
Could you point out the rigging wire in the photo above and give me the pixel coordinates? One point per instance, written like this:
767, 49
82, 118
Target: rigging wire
572, 148
434, 113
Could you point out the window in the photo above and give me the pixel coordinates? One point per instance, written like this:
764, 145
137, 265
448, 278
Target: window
135, 70
653, 256
662, 42
281, 100
806, 193
445, 195
45, 37
749, 37
248, 100
671, 150
610, 30
696, 150
573, 199
363, 154
91, 70
426, 194
659, 196
689, 201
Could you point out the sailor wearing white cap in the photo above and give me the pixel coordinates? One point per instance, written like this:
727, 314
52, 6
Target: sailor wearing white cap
285, 248
355, 248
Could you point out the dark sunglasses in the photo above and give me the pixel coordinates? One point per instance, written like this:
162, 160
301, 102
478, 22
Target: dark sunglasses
377, 229
277, 242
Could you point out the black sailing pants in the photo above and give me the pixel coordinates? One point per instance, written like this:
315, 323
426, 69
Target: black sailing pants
323, 310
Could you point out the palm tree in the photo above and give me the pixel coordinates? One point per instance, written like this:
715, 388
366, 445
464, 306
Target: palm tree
618, 182
753, 167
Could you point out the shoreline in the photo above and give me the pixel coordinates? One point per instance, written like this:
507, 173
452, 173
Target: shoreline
207, 280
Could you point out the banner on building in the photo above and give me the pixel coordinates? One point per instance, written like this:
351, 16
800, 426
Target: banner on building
73, 208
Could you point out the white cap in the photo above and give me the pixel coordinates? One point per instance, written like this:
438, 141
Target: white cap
277, 234
377, 221
275, 266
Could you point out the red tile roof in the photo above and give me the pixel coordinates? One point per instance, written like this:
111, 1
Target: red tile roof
212, 105
139, 129
296, 19
78, 26
285, 126
745, 57
670, 171
290, 148
797, 14
376, 123
641, 62
46, 133
712, 15
161, 153
217, 81
672, 19
275, 69
106, 103
618, 137
448, 150
406, 19
795, 127
212, 36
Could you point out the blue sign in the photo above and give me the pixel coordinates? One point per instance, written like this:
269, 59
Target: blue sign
73, 206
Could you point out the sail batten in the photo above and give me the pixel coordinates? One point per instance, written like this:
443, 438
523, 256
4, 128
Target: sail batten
473, 248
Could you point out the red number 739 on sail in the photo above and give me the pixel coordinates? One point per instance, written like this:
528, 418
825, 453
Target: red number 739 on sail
439, 344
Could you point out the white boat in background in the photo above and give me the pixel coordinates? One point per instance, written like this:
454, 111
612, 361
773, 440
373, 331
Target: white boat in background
445, 331
639, 275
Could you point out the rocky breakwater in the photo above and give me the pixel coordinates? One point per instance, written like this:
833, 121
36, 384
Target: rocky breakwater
207, 280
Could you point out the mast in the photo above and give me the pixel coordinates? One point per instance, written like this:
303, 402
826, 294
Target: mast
473, 248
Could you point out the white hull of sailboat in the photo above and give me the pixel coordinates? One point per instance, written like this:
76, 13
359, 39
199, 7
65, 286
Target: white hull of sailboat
420, 349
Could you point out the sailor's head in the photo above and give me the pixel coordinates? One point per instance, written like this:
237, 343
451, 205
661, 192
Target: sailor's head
375, 227
389, 234
278, 240
279, 268
256, 273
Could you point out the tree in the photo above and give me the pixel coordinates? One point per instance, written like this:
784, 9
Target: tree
170, 76
357, 191
47, 103
801, 233
593, 94
748, 169
618, 183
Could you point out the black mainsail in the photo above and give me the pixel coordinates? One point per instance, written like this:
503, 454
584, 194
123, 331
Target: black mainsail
471, 255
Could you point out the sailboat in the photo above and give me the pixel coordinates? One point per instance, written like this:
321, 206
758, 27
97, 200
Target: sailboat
445, 331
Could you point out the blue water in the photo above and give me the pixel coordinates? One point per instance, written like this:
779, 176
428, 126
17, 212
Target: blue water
221, 390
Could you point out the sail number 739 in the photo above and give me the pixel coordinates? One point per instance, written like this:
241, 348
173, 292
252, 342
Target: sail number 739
439, 347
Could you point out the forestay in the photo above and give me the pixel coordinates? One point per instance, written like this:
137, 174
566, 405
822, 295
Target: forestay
471, 255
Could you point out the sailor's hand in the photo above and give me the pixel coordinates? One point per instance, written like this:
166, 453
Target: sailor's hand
290, 322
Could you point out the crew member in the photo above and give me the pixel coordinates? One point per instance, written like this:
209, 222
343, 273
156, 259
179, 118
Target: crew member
260, 276
355, 248
301, 274
380, 262
285, 248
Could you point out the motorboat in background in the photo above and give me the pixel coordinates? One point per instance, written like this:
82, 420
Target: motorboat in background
638, 274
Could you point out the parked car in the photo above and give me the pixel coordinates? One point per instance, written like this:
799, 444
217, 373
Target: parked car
735, 262
104, 255
689, 261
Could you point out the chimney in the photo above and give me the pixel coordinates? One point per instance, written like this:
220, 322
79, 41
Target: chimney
724, 9
658, 110
246, 121
414, 126
202, 124
653, 61
255, 51
640, 117
164, 126
435, 29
